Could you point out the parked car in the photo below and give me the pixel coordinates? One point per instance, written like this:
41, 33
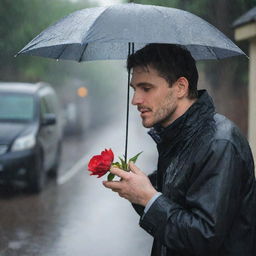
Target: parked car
30, 133
76, 119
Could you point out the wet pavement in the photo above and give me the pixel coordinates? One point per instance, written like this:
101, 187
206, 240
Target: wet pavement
78, 216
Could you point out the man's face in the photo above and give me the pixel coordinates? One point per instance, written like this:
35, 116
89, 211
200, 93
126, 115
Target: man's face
154, 98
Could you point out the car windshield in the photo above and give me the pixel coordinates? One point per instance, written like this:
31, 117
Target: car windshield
16, 107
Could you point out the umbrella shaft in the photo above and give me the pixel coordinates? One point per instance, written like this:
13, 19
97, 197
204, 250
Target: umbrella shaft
130, 51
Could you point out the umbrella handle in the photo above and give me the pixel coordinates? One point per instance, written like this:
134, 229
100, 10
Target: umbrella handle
130, 51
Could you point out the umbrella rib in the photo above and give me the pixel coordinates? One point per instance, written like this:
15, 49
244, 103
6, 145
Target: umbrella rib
27, 48
81, 57
88, 31
212, 52
64, 48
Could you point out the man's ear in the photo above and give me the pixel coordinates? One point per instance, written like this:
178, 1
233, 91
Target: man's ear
182, 87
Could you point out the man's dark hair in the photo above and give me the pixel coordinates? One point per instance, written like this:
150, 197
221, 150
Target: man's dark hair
171, 61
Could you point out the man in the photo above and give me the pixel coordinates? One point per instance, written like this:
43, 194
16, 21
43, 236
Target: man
201, 199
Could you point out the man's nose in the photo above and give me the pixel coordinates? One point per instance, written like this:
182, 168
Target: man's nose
136, 99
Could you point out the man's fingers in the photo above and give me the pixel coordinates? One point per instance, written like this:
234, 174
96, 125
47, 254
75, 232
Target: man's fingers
114, 185
120, 173
133, 168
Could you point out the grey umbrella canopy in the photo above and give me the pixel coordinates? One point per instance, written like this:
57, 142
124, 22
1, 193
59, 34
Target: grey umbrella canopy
103, 33
116, 31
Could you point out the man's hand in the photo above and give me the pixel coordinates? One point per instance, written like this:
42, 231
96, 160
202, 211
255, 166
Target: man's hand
134, 185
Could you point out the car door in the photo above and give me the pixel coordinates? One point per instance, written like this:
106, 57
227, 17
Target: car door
47, 133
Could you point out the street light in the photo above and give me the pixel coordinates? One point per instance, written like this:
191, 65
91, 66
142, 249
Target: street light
82, 92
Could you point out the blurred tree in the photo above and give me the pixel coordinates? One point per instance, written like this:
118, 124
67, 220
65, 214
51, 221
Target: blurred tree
227, 78
20, 22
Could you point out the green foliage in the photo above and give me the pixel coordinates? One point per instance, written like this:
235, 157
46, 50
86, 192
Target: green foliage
134, 159
227, 78
20, 21
122, 165
222, 14
111, 176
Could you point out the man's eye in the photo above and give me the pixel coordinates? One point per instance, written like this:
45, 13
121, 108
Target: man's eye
146, 89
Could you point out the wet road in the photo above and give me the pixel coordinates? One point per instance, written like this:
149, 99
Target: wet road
78, 216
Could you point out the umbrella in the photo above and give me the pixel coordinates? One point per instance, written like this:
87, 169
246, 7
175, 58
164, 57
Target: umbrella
116, 31
103, 33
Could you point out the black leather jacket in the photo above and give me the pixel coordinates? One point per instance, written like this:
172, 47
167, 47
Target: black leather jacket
206, 174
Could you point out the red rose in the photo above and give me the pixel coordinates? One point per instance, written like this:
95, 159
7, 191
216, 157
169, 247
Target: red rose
100, 164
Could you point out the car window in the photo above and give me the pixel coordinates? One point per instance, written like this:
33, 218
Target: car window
49, 104
52, 102
16, 107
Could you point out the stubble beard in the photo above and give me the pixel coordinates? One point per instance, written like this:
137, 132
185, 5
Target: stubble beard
163, 115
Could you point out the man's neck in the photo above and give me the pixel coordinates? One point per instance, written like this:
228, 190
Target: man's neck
181, 110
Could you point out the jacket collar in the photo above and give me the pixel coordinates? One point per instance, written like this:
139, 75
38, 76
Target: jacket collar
183, 126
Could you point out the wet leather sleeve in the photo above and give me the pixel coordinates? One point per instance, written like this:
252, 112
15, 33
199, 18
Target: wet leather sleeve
211, 204
152, 178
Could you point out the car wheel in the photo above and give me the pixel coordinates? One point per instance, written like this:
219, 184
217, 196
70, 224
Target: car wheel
36, 176
53, 173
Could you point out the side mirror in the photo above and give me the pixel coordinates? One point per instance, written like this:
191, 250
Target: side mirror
49, 119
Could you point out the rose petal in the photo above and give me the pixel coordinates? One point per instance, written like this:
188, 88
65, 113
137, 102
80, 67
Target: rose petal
108, 155
100, 164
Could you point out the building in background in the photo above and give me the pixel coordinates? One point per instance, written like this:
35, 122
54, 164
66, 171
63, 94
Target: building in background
245, 29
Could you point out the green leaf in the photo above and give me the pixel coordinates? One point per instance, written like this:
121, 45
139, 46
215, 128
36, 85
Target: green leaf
117, 164
111, 176
134, 159
123, 164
